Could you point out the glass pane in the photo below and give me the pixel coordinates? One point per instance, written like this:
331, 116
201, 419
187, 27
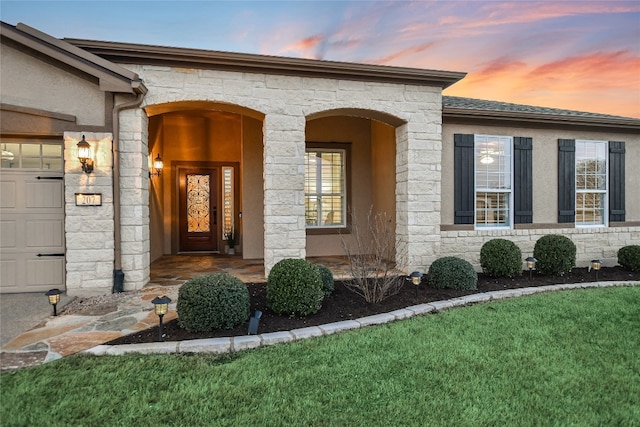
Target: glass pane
49, 150
31, 163
492, 209
227, 199
52, 164
324, 188
590, 208
311, 210
198, 190
10, 156
31, 150
332, 211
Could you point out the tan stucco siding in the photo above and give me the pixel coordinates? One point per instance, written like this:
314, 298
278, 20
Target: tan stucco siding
29, 82
545, 166
252, 221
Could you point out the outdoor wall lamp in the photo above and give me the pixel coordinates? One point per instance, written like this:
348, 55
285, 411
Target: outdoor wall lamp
531, 264
84, 155
54, 298
416, 278
157, 166
596, 264
161, 307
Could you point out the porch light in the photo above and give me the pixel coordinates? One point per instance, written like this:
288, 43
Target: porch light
531, 264
157, 166
416, 278
596, 264
161, 307
84, 155
54, 299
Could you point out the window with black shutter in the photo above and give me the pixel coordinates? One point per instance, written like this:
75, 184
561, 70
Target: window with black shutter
566, 180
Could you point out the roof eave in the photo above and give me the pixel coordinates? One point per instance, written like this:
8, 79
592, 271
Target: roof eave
465, 113
197, 58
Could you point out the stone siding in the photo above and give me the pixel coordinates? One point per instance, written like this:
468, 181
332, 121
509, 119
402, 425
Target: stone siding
591, 243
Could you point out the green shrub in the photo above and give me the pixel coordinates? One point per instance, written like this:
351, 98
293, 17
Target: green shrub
294, 286
501, 258
629, 257
556, 254
452, 273
327, 279
213, 301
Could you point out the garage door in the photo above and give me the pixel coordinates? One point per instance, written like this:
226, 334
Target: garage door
31, 217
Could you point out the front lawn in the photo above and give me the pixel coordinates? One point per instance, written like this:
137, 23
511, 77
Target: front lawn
564, 358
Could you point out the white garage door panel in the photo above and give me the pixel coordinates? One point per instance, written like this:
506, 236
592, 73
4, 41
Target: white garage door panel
7, 234
8, 194
43, 194
44, 234
32, 243
8, 273
45, 272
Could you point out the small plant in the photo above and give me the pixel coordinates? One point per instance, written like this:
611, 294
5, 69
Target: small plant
629, 257
294, 286
213, 301
231, 238
556, 254
452, 273
501, 258
327, 279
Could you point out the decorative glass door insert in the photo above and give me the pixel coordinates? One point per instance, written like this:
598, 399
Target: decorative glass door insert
198, 203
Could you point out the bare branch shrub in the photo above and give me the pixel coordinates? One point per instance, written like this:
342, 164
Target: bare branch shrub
371, 252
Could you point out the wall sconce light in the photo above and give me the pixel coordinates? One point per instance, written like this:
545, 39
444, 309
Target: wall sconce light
54, 298
84, 155
416, 278
157, 166
161, 307
531, 264
596, 264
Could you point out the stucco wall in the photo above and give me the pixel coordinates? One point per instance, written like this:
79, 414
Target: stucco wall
29, 82
591, 242
252, 190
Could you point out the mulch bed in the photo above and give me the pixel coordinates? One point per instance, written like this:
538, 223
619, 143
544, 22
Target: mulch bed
344, 304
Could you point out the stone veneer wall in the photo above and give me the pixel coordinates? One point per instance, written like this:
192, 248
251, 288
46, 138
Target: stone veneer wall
591, 243
88, 229
286, 102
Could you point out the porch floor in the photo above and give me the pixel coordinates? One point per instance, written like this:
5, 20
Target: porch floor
172, 270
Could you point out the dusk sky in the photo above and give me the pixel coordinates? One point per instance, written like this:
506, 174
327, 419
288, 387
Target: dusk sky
579, 55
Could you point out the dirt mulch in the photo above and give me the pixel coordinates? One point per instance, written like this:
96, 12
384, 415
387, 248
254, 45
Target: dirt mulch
344, 304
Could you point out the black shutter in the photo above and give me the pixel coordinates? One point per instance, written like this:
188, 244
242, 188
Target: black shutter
523, 181
616, 181
463, 178
566, 180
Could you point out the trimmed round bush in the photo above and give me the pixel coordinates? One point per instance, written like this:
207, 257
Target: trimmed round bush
213, 301
294, 286
501, 258
556, 254
629, 257
327, 279
452, 273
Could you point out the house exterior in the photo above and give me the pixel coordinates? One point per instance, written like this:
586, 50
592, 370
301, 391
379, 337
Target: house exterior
286, 154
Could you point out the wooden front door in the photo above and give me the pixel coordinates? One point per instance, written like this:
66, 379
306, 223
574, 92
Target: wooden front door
198, 210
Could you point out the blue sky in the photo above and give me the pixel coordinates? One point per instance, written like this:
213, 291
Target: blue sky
582, 55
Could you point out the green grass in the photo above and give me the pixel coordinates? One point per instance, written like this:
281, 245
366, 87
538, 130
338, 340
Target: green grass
567, 359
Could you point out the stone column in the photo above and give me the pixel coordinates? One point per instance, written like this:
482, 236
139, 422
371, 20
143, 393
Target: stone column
88, 229
418, 183
134, 198
284, 220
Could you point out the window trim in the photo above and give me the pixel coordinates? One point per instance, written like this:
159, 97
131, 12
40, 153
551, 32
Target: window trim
605, 209
510, 191
333, 146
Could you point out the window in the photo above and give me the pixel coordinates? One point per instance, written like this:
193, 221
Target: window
591, 182
31, 155
493, 181
325, 188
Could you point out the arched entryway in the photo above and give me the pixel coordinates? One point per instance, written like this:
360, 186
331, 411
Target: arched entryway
209, 192
350, 163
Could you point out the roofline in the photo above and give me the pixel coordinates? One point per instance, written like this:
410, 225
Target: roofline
208, 59
111, 77
540, 118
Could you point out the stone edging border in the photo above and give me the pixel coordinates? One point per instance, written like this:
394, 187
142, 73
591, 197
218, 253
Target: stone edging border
246, 342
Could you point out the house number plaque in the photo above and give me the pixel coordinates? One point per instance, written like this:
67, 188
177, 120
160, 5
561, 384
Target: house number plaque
88, 199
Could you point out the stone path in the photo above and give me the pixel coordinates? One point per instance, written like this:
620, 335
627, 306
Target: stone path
88, 331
